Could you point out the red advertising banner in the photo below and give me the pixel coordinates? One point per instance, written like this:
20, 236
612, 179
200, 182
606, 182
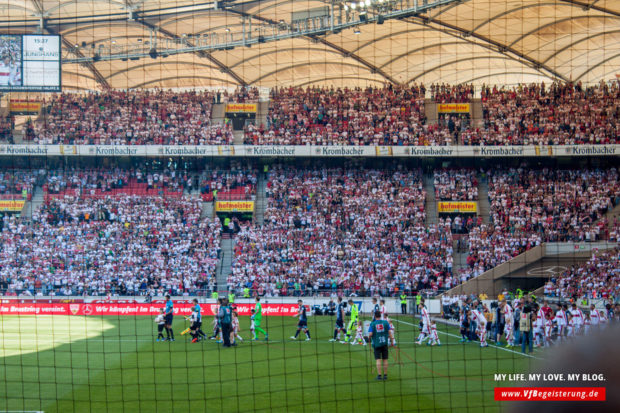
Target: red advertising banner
573, 394
132, 309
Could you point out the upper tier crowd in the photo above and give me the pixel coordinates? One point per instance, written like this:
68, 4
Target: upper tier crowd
442, 93
540, 114
116, 245
131, 118
559, 114
556, 114
239, 95
322, 116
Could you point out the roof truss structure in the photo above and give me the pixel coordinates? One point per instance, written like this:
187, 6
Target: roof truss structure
477, 41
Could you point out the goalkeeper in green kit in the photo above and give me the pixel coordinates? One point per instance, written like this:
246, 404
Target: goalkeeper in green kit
353, 322
258, 317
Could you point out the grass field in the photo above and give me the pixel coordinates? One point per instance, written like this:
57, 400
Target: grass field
112, 364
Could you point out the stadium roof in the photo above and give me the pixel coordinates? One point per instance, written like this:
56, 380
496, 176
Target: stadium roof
478, 41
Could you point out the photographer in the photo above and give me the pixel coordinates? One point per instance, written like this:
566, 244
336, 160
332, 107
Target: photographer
331, 308
525, 327
498, 322
516, 320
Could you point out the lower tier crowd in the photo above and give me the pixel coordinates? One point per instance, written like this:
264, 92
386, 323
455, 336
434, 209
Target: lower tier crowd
126, 245
362, 231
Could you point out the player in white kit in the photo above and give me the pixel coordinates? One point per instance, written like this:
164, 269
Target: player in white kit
561, 321
434, 339
578, 319
539, 326
426, 323
570, 325
595, 318
235, 325
508, 324
603, 318
391, 327
359, 334
481, 325
548, 329
383, 309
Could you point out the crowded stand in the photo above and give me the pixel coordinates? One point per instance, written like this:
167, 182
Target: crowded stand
462, 224
443, 93
328, 116
260, 205
131, 118
490, 246
350, 230
233, 184
529, 207
241, 94
614, 229
455, 184
124, 245
556, 114
452, 124
7, 124
456, 125
560, 205
19, 183
109, 182
598, 278
355, 231
535, 114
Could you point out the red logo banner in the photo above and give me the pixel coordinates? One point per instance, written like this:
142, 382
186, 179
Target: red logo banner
124, 308
572, 394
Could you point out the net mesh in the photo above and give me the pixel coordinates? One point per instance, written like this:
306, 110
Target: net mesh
455, 250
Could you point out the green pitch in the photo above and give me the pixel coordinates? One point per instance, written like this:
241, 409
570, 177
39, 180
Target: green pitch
113, 364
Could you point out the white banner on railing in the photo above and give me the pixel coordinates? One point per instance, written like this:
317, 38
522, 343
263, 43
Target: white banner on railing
284, 151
